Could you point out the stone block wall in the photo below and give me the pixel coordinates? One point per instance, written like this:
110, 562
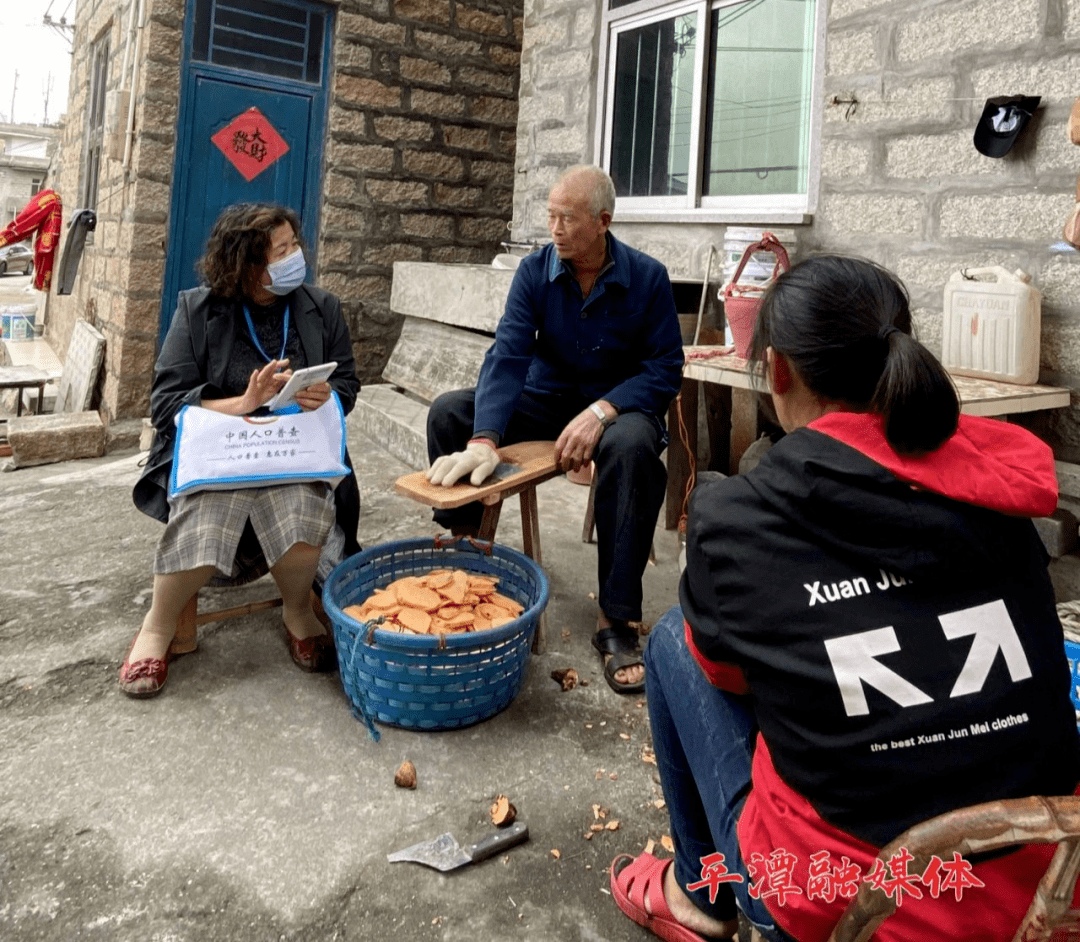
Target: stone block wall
118, 288
902, 182
557, 105
900, 179
420, 149
418, 165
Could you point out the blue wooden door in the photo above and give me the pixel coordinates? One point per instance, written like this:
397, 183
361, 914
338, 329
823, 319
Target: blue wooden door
270, 55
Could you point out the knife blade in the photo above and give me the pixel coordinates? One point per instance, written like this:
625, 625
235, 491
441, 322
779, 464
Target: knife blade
444, 853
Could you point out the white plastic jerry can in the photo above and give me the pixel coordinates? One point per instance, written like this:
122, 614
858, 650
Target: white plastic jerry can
992, 325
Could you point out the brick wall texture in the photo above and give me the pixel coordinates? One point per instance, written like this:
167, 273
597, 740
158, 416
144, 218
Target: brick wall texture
900, 180
419, 164
420, 149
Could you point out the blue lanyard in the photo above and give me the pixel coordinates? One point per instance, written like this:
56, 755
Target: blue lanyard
258, 346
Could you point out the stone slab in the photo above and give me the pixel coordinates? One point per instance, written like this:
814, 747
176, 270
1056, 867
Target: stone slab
470, 296
1068, 475
431, 358
81, 368
394, 421
1058, 532
1065, 576
46, 439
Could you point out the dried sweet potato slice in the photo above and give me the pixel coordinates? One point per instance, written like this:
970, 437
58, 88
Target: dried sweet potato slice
489, 611
382, 598
415, 620
417, 596
439, 578
504, 601
457, 587
501, 620
481, 623
462, 619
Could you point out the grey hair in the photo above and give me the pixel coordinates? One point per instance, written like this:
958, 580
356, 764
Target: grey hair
601, 187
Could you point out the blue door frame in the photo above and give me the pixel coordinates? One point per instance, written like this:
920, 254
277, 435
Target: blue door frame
205, 182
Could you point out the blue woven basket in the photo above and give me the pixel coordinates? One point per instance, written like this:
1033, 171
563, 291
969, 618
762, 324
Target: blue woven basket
426, 682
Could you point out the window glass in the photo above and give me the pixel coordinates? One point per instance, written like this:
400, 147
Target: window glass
653, 108
757, 112
273, 38
708, 104
95, 121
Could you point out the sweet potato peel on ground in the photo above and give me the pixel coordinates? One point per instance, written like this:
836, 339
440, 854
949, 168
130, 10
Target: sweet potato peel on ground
503, 813
442, 602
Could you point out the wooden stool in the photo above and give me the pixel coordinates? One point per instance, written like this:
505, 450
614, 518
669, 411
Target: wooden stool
522, 467
186, 638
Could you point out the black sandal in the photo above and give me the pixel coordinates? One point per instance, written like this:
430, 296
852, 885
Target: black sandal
622, 645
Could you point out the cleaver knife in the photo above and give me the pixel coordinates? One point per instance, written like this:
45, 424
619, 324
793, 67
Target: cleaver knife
444, 853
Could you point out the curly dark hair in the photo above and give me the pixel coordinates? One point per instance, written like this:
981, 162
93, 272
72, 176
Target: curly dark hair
239, 243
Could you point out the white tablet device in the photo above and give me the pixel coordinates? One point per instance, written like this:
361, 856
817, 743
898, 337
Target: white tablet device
301, 379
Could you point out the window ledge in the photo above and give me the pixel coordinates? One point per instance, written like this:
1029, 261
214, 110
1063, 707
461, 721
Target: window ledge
709, 216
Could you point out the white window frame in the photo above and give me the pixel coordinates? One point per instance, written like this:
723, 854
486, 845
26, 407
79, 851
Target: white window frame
693, 207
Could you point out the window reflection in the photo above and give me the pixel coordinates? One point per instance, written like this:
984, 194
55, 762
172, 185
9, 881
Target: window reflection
653, 108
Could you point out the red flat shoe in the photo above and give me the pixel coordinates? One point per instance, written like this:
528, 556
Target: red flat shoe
145, 678
314, 654
644, 875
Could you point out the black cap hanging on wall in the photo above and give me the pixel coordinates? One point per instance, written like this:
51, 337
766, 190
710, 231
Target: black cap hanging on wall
1003, 119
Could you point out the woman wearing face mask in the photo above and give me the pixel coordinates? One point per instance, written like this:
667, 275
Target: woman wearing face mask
230, 347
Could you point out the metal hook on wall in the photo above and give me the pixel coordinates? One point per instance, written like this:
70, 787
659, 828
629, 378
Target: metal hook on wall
851, 104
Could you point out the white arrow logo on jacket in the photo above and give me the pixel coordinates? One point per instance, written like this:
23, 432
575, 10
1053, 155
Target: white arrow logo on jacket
853, 663
994, 631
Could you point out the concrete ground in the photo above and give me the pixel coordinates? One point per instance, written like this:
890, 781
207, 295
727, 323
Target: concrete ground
246, 803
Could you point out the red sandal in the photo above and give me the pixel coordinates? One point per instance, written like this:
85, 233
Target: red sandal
644, 875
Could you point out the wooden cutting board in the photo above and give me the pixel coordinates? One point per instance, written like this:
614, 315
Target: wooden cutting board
522, 465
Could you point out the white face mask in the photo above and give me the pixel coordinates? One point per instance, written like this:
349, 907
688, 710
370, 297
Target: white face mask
287, 274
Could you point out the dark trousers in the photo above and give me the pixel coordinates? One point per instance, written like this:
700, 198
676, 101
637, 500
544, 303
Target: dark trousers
630, 482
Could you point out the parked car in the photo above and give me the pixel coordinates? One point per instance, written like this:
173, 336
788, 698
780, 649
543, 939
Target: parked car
18, 257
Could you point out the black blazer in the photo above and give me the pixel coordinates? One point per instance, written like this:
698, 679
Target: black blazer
191, 367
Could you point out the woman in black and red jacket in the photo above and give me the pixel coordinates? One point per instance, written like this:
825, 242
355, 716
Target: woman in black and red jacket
867, 638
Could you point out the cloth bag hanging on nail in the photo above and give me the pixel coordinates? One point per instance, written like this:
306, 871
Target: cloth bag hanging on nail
216, 452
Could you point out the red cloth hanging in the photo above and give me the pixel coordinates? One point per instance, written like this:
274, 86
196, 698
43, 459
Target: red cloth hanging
40, 215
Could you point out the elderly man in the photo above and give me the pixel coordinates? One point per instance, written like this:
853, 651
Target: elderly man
588, 352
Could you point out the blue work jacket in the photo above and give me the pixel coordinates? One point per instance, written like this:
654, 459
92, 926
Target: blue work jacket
621, 344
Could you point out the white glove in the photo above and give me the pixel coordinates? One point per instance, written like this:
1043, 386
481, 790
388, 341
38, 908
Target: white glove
478, 457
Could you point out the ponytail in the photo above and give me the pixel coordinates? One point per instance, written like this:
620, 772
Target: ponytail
914, 396
845, 324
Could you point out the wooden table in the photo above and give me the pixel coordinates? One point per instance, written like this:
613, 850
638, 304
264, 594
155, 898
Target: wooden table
977, 397
21, 377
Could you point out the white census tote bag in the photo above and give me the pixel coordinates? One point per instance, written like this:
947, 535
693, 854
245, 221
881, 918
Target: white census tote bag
216, 452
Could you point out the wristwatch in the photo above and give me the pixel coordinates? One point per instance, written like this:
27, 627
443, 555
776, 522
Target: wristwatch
600, 414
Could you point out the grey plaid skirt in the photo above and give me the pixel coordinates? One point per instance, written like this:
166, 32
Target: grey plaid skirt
243, 533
